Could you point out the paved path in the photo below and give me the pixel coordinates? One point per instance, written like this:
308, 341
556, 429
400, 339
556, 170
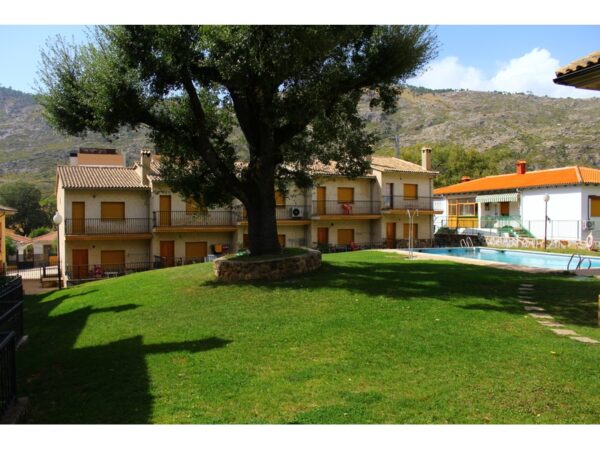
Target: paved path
525, 296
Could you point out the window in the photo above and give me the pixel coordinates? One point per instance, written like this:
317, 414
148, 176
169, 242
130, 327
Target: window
345, 237
112, 260
407, 231
410, 191
504, 208
594, 206
112, 211
345, 195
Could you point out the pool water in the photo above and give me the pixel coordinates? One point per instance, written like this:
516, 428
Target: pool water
519, 258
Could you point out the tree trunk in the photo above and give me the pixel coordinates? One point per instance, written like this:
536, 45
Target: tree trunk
262, 222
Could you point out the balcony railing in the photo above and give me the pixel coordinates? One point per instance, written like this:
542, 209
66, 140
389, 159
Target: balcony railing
291, 212
106, 226
333, 207
195, 219
403, 202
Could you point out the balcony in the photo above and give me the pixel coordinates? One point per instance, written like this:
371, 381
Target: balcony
199, 219
357, 209
399, 202
95, 227
284, 214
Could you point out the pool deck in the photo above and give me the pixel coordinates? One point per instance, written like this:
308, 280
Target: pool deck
479, 262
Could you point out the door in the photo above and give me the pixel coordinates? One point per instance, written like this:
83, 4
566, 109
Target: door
321, 205
78, 218
345, 237
167, 253
323, 236
79, 261
504, 208
388, 196
195, 251
165, 211
112, 261
390, 235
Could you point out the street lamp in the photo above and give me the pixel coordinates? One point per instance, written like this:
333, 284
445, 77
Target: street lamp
546, 198
57, 219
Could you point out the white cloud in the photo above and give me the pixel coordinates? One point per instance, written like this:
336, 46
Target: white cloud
532, 72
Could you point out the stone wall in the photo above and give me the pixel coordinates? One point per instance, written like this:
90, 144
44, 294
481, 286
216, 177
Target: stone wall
518, 242
276, 268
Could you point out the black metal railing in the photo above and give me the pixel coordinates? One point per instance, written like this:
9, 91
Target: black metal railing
333, 248
333, 207
107, 226
11, 306
8, 371
403, 202
195, 219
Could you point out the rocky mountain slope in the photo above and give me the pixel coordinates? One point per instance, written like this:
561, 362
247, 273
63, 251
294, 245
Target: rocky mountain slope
547, 132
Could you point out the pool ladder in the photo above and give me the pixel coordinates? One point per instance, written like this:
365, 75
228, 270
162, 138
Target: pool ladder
466, 242
581, 260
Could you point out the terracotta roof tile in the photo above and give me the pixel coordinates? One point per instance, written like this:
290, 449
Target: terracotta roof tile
21, 240
551, 177
391, 164
93, 177
581, 63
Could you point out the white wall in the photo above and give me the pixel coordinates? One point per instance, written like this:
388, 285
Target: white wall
564, 212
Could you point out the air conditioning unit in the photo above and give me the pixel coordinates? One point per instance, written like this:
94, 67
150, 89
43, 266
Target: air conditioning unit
589, 225
296, 212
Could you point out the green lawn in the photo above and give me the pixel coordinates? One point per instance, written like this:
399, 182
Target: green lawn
371, 338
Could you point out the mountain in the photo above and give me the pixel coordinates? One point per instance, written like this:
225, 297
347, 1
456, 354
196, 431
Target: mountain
548, 132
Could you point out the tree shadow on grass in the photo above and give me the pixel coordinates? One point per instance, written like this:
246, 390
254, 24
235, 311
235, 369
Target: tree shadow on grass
105, 384
404, 280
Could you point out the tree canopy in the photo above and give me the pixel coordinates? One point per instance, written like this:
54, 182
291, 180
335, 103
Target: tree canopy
291, 90
25, 198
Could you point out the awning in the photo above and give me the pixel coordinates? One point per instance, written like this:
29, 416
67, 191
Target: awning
497, 198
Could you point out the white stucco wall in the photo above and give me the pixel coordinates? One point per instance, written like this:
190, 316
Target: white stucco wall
564, 211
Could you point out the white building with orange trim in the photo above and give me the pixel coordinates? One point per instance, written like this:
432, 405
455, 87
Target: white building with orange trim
119, 218
561, 203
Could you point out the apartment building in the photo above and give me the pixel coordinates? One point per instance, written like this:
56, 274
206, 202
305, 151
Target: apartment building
120, 219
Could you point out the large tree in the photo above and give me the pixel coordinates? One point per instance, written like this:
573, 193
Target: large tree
25, 198
293, 92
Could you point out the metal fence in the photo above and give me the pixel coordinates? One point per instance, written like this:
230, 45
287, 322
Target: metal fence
333, 207
8, 371
106, 226
90, 272
11, 306
403, 202
511, 226
195, 218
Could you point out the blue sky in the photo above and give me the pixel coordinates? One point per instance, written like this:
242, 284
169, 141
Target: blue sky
490, 57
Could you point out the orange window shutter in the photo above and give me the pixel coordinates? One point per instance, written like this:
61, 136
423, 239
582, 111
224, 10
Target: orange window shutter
345, 237
279, 199
345, 195
594, 206
112, 210
410, 191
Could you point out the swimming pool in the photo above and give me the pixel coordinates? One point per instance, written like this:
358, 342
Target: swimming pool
520, 258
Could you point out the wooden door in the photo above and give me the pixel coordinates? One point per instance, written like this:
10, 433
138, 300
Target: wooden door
322, 236
504, 208
165, 211
79, 261
78, 218
167, 253
195, 251
345, 237
390, 234
388, 196
321, 205
112, 261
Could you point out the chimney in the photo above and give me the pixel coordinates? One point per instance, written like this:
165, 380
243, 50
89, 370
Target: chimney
144, 166
426, 158
73, 158
521, 167
465, 178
